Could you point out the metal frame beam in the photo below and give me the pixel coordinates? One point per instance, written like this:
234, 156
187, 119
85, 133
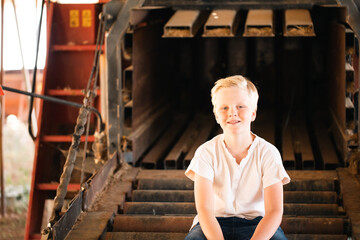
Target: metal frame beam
236, 4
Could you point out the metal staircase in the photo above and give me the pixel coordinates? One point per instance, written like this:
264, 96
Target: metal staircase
160, 205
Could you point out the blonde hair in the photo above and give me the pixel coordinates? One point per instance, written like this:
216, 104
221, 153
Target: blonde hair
236, 81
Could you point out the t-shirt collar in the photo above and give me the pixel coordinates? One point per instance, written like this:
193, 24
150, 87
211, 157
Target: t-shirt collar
250, 151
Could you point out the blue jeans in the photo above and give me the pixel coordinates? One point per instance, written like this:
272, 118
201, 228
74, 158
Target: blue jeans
234, 228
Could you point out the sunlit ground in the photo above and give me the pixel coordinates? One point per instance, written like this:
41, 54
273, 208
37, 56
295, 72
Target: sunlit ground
18, 155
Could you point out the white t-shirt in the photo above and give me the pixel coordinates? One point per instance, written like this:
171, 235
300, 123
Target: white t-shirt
238, 188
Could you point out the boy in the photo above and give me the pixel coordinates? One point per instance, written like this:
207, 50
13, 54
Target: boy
238, 176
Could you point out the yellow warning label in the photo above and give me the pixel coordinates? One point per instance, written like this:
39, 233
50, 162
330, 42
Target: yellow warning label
74, 18
86, 18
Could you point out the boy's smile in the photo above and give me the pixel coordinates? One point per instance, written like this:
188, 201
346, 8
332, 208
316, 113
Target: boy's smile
233, 110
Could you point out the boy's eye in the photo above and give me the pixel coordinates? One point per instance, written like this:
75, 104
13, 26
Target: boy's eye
240, 106
224, 108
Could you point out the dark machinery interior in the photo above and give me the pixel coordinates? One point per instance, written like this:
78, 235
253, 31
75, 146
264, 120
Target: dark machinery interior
159, 61
294, 75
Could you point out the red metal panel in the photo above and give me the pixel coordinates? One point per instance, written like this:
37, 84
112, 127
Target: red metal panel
54, 186
66, 74
75, 24
64, 138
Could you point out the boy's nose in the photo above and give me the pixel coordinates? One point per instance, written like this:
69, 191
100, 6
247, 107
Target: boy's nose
232, 112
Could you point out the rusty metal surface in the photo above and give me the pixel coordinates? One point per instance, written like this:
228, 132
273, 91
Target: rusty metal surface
91, 226
153, 157
150, 80
316, 237
298, 22
173, 160
330, 175
310, 185
161, 174
159, 208
259, 23
336, 85
184, 23
112, 88
62, 227
291, 225
203, 136
188, 196
97, 182
310, 197
143, 223
326, 147
145, 134
307, 209
117, 189
105, 203
163, 196
307, 215
145, 235
311, 225
336, 71
353, 14
162, 208
350, 192
313, 175
181, 236
127, 86
181, 182
113, 198
221, 23
130, 174
204, 4
163, 184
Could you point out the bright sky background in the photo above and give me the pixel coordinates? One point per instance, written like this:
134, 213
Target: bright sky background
28, 16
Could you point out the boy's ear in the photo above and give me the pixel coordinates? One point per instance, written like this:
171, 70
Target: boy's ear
216, 118
253, 116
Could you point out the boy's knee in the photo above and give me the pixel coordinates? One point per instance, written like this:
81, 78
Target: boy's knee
192, 237
279, 235
195, 234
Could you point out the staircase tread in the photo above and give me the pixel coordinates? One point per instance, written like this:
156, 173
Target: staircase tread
350, 189
290, 224
180, 236
188, 196
294, 174
90, 225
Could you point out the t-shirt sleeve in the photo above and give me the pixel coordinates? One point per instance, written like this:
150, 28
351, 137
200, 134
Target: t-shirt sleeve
201, 164
273, 169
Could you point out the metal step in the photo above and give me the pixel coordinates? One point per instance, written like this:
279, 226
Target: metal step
181, 236
182, 224
188, 196
316, 237
163, 196
186, 184
144, 235
163, 208
152, 223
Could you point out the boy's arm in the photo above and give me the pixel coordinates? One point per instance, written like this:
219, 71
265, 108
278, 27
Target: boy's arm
273, 198
204, 200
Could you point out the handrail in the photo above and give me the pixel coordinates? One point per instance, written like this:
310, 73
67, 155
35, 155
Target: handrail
60, 101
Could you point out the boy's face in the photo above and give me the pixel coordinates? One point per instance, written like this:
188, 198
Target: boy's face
233, 110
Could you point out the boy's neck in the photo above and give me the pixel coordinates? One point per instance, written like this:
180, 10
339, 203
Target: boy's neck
238, 144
